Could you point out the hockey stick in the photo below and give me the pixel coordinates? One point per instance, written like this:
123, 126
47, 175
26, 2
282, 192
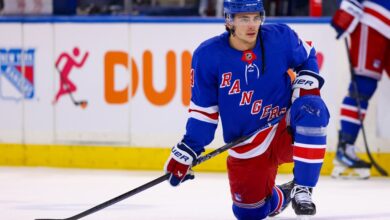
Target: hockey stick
164, 177
359, 108
82, 103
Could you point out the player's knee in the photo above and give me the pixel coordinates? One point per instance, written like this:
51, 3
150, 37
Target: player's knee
309, 111
252, 213
366, 87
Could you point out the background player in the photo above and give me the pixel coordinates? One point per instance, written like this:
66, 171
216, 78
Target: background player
241, 77
368, 24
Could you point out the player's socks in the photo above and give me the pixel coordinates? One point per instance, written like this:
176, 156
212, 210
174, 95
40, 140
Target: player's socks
282, 197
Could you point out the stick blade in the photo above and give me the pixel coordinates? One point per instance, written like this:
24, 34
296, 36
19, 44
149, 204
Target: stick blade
381, 171
71, 218
83, 104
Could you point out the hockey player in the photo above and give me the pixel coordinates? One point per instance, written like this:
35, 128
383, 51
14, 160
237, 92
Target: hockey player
368, 25
241, 77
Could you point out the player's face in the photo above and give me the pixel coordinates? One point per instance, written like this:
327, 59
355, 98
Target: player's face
246, 29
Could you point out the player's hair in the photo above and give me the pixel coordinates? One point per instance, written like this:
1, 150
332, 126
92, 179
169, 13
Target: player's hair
229, 18
262, 51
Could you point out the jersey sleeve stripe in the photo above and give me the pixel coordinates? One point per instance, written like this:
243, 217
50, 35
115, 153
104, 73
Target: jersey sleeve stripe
307, 47
377, 17
213, 116
378, 11
208, 110
203, 117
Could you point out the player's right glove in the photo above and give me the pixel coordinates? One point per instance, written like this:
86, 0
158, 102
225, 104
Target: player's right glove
179, 164
347, 17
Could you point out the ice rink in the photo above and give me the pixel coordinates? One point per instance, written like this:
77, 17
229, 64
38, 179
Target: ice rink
29, 193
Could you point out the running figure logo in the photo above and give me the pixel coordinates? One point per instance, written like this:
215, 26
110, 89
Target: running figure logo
66, 85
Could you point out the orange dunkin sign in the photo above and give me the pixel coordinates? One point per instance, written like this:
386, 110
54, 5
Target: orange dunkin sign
159, 98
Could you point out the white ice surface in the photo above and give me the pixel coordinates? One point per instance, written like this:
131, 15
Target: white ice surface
29, 193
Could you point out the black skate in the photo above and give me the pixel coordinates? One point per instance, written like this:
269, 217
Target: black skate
302, 203
286, 189
348, 164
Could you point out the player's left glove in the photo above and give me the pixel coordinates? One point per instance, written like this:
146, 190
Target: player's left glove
306, 83
347, 17
179, 164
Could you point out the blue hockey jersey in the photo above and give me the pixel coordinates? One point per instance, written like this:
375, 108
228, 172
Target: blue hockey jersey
231, 85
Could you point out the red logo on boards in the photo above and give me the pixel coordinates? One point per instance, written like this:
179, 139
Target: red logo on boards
69, 62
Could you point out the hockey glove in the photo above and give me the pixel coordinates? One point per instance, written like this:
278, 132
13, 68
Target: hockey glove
306, 83
347, 17
179, 164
